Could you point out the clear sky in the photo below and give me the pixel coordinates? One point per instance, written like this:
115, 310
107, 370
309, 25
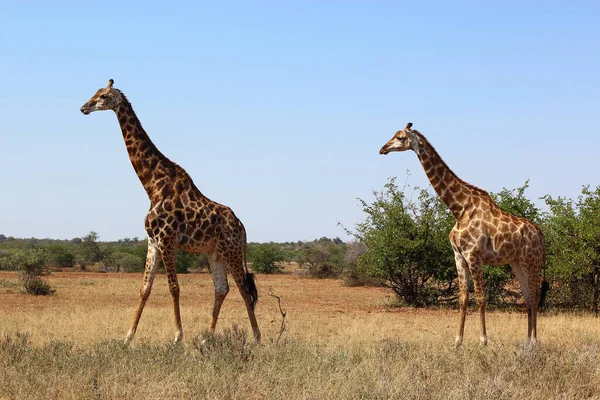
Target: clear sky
278, 109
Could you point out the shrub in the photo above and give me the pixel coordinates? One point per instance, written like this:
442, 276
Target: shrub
407, 244
572, 231
38, 287
184, 262
324, 258
32, 264
231, 347
5, 261
122, 261
266, 258
60, 256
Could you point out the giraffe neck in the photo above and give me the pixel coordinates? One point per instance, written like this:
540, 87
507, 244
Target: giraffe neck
153, 168
453, 191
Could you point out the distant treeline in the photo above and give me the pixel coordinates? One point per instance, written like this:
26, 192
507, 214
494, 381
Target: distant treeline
321, 258
402, 244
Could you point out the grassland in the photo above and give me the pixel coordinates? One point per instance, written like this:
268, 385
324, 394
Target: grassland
340, 343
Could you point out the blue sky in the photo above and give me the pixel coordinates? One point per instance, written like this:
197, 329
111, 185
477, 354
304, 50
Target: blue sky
278, 109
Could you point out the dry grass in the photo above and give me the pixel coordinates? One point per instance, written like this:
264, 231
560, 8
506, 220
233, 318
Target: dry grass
339, 343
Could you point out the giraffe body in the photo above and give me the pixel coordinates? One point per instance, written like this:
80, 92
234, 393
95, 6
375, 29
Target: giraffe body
483, 233
180, 217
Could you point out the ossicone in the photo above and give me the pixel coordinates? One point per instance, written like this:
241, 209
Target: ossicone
409, 125
111, 82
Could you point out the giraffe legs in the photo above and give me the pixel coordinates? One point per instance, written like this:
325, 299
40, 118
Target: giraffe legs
480, 297
168, 253
464, 267
219, 276
463, 272
242, 283
529, 282
530, 289
152, 261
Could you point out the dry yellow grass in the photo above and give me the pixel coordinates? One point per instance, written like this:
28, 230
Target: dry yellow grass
340, 342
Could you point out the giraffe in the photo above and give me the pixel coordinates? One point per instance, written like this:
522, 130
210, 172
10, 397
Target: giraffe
483, 234
180, 217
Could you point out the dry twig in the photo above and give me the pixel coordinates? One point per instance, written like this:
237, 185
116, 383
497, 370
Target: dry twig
283, 314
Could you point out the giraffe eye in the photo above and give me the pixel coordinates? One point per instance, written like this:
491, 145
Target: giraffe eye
104, 96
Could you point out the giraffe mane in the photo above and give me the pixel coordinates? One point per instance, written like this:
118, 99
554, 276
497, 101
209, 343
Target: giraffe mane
467, 184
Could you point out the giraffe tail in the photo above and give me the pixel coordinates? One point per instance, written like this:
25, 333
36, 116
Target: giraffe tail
545, 284
251, 287
250, 281
543, 294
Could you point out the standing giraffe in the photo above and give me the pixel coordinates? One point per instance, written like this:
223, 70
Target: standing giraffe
483, 233
180, 217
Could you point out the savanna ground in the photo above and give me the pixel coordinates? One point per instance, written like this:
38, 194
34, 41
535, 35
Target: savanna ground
339, 343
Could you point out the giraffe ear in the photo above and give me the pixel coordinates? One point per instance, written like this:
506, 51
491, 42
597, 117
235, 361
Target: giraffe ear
408, 126
110, 83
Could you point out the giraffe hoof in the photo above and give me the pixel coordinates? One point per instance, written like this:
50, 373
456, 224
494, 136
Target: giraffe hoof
458, 342
483, 340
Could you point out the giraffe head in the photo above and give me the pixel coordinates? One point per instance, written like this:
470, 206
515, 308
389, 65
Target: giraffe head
107, 98
401, 141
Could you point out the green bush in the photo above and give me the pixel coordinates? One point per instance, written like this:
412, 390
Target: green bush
323, 258
407, 244
32, 264
572, 230
60, 256
38, 287
266, 258
5, 261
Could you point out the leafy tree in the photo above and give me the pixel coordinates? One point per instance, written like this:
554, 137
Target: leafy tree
32, 263
266, 258
324, 257
573, 233
89, 249
5, 261
407, 244
184, 262
60, 255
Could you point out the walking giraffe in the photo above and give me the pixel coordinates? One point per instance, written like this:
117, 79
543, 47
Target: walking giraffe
180, 217
483, 233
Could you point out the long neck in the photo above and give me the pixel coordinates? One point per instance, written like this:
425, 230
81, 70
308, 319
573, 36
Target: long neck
453, 191
150, 165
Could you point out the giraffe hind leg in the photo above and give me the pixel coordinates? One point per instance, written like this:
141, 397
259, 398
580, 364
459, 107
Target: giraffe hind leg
168, 253
246, 285
530, 300
221, 286
477, 273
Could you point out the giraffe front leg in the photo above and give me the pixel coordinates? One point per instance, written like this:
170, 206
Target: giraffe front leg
477, 273
168, 253
151, 264
462, 269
